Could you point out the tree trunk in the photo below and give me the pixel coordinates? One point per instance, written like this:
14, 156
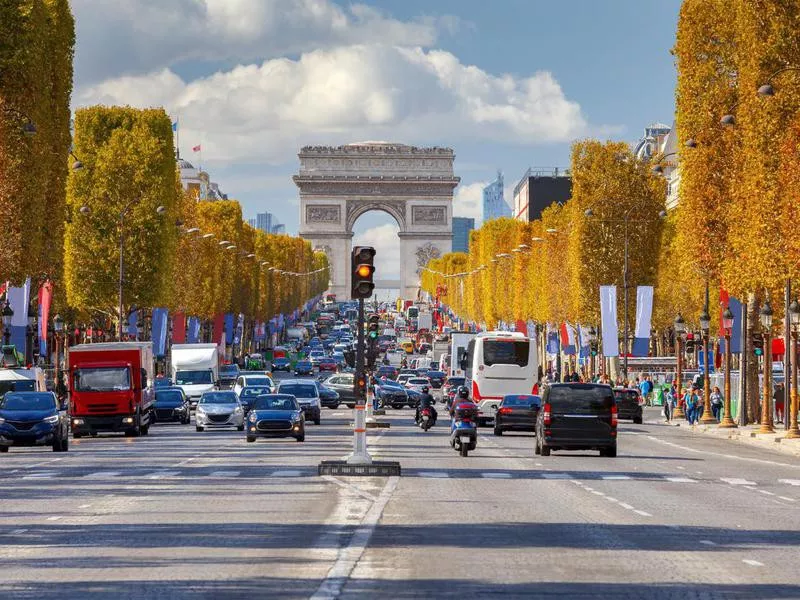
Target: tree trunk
752, 364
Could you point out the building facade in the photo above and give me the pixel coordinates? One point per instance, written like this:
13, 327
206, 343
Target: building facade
652, 142
539, 188
494, 203
461, 228
267, 222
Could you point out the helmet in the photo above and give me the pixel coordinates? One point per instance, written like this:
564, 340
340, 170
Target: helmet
463, 392
424, 389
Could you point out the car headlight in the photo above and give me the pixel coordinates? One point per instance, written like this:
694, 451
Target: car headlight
200, 411
252, 418
2, 420
51, 419
237, 410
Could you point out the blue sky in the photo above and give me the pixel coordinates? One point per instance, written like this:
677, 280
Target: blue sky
253, 80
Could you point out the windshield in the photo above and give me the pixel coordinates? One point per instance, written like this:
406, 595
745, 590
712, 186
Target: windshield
229, 371
436, 374
579, 398
255, 390
453, 381
262, 381
506, 352
219, 398
299, 390
17, 386
418, 381
276, 403
102, 379
33, 401
169, 397
520, 400
194, 377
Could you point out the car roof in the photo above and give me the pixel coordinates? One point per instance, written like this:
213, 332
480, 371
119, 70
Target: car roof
304, 381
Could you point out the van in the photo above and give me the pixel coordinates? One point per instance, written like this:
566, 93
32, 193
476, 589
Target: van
577, 416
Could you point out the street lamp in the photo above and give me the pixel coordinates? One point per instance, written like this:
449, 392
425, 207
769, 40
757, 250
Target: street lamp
766, 406
8, 314
30, 331
794, 315
680, 330
705, 326
29, 128
58, 327
727, 325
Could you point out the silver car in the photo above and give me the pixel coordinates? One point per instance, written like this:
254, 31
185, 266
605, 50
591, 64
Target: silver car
219, 409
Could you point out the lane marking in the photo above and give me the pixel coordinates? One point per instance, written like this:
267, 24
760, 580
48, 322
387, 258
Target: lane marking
787, 498
286, 473
353, 488
610, 499
18, 531
41, 475
54, 518
102, 474
752, 563
642, 513
737, 481
616, 477
434, 474
85, 506
556, 476
162, 474
766, 493
626, 506
596, 493
496, 475
224, 473
349, 556
708, 543
44, 462
681, 480
795, 482
731, 456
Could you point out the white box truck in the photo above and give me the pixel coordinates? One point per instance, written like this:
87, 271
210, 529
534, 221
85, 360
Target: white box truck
195, 369
459, 340
425, 321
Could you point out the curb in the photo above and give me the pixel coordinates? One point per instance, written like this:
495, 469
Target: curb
772, 441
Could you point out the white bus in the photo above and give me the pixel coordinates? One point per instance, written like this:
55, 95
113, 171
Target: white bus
498, 363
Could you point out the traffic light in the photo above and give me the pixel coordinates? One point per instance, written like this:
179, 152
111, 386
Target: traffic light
372, 328
360, 386
758, 344
690, 343
363, 268
593, 347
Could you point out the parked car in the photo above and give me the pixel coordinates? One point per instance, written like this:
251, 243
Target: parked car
306, 394
517, 412
172, 406
33, 419
257, 379
327, 364
276, 415
303, 367
249, 394
436, 378
219, 409
342, 384
577, 416
629, 404
228, 374
281, 364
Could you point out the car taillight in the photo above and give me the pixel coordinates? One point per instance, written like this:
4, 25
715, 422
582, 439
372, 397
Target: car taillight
505, 410
476, 393
546, 414
614, 420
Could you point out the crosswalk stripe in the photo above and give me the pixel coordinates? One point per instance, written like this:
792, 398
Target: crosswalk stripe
556, 475
288, 473
102, 474
616, 477
224, 474
496, 475
795, 482
433, 474
737, 481
162, 474
40, 475
681, 480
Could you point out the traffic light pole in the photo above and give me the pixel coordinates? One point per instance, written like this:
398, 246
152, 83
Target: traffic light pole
360, 456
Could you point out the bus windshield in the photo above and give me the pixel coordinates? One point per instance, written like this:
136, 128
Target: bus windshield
506, 352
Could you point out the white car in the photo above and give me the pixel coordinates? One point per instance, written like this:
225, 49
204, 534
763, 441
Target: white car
219, 409
252, 379
403, 378
417, 383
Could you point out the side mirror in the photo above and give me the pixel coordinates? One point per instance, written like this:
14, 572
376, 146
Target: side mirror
494, 406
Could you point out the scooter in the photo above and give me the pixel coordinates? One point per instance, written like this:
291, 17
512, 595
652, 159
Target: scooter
426, 418
464, 428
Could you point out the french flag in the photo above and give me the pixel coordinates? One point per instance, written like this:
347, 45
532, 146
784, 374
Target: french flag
567, 339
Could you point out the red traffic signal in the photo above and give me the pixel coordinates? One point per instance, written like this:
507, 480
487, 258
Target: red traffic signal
362, 271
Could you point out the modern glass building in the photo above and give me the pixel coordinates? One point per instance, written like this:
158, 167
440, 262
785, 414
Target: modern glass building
461, 228
494, 203
267, 222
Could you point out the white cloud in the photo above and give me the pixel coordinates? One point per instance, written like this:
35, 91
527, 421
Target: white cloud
267, 112
139, 36
387, 249
468, 201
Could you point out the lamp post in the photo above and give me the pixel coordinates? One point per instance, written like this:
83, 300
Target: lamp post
30, 332
680, 330
592, 342
705, 325
8, 314
791, 417
766, 406
85, 210
58, 327
727, 325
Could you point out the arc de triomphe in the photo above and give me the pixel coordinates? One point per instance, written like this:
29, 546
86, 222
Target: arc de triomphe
415, 185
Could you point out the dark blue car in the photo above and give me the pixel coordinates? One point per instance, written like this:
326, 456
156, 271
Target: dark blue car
281, 364
276, 415
303, 367
172, 406
33, 419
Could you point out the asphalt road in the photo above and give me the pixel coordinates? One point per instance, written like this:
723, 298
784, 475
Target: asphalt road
183, 514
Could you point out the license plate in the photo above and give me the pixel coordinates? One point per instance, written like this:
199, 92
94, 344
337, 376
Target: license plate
425, 418
465, 436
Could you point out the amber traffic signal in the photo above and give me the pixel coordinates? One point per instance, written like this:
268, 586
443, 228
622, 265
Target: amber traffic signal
362, 269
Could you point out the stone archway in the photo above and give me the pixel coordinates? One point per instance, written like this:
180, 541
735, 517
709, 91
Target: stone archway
415, 185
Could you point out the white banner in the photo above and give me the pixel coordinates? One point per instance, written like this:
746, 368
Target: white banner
644, 310
608, 319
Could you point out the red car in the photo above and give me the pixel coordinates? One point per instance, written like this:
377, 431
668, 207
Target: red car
328, 364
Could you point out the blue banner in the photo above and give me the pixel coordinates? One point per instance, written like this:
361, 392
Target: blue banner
133, 320
228, 328
159, 331
701, 363
193, 330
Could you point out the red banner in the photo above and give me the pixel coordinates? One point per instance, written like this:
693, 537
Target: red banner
179, 328
45, 300
219, 328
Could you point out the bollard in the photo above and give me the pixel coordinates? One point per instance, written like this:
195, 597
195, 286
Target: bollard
360, 456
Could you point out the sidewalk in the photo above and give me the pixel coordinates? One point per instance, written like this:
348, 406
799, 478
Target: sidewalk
746, 435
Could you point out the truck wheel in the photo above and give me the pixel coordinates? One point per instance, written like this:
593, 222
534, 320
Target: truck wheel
145, 429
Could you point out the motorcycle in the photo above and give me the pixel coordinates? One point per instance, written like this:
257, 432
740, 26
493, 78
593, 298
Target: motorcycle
426, 419
464, 427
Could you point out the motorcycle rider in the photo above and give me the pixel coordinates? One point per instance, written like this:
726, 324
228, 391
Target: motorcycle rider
461, 395
426, 401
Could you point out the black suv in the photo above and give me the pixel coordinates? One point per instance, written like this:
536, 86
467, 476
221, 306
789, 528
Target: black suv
629, 404
577, 416
33, 419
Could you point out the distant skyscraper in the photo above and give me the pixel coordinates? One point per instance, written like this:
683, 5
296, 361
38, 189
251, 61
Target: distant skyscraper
461, 228
494, 204
251, 222
268, 223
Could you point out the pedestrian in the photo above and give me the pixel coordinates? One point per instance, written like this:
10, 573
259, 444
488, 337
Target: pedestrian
646, 389
690, 401
669, 403
716, 402
777, 398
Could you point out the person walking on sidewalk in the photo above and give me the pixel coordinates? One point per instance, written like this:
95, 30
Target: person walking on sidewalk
716, 402
777, 400
669, 402
690, 401
646, 389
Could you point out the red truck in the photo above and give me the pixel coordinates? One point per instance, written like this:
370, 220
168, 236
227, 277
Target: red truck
111, 388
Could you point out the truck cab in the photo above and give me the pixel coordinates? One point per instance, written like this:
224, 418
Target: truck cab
195, 369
